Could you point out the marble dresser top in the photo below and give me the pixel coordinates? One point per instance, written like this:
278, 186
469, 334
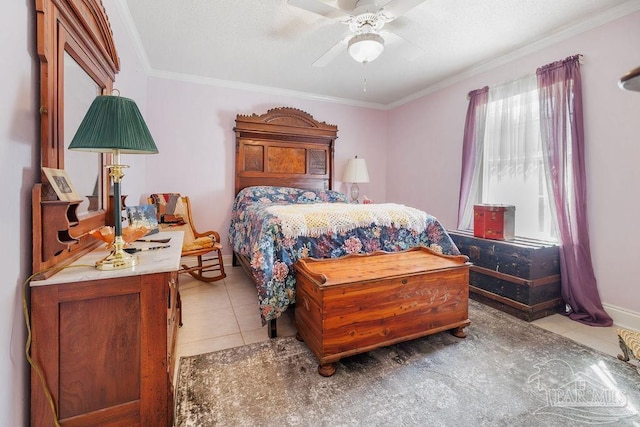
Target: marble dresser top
149, 262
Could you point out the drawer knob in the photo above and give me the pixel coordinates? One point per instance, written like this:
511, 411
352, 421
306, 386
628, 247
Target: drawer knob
404, 281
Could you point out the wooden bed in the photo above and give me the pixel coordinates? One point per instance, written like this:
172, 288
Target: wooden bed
283, 147
286, 147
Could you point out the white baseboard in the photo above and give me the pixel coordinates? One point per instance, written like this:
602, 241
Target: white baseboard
623, 317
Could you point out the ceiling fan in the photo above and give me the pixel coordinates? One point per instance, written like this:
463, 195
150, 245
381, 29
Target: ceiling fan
366, 19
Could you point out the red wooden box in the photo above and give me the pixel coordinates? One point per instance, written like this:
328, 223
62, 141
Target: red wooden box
494, 221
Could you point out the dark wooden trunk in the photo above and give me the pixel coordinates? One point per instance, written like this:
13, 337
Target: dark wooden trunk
520, 276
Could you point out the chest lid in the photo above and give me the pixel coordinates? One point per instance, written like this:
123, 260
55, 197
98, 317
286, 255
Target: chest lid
378, 265
493, 207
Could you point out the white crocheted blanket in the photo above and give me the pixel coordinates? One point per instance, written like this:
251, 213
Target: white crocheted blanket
315, 219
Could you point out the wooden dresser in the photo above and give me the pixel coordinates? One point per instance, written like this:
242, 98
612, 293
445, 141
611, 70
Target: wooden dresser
105, 340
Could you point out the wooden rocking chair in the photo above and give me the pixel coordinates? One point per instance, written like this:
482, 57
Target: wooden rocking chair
174, 214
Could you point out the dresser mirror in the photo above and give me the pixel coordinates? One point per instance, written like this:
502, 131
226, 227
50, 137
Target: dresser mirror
84, 169
78, 61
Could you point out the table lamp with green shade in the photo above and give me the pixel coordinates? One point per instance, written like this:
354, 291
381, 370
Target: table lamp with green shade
113, 124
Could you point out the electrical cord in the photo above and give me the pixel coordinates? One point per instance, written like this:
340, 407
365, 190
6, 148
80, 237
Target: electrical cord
27, 319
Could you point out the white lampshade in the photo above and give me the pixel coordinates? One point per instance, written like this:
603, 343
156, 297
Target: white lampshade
356, 171
366, 47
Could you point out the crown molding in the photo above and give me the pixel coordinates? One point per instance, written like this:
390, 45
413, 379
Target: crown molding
227, 84
134, 36
569, 31
566, 33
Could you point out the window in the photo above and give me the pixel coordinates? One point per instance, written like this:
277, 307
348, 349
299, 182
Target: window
501, 156
511, 165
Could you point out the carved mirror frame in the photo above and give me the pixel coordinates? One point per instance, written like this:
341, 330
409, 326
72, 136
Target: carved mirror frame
77, 29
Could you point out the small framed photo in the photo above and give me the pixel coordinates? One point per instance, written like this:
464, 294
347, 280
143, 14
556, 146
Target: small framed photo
143, 216
61, 184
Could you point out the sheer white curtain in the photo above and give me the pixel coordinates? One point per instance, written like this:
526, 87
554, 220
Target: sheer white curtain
513, 170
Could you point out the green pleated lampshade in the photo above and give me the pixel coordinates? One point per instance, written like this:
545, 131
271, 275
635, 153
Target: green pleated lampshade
113, 123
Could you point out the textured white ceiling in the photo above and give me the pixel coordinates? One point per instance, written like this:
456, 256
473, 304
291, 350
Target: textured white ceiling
272, 44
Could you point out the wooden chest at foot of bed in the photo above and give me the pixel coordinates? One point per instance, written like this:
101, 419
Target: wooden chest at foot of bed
520, 277
354, 304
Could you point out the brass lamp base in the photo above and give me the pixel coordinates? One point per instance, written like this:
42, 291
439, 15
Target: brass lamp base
117, 261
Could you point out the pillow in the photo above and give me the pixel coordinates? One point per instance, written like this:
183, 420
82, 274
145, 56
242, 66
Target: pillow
280, 195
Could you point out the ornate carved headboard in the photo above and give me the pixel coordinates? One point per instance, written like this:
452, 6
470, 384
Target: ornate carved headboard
284, 147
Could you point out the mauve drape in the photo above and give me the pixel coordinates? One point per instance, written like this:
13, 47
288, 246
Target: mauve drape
562, 130
471, 152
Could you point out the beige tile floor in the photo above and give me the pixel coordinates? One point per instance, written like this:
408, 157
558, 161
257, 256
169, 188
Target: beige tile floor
600, 338
225, 314
222, 314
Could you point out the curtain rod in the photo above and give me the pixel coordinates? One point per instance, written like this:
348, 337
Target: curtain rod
580, 61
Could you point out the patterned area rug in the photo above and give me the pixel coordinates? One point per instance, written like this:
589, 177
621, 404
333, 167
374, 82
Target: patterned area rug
506, 372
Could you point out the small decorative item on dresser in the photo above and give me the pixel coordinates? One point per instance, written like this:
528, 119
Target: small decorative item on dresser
143, 216
494, 221
129, 234
61, 184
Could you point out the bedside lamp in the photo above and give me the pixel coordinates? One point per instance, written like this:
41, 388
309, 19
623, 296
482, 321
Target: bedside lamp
113, 124
355, 172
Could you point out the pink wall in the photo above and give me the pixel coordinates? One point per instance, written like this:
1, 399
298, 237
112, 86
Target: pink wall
19, 170
424, 152
193, 128
426, 136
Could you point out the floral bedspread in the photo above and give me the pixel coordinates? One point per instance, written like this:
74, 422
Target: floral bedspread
257, 234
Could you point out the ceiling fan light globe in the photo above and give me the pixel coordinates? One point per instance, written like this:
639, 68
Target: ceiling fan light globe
366, 47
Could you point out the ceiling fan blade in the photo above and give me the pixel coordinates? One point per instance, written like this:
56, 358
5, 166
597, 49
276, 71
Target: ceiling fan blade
396, 8
333, 52
316, 6
347, 4
402, 46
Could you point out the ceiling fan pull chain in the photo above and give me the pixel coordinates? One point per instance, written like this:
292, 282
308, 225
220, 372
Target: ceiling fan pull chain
364, 80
